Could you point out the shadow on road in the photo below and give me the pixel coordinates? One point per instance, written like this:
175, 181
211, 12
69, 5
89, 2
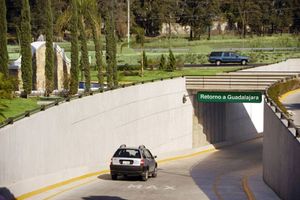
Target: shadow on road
102, 198
107, 177
219, 176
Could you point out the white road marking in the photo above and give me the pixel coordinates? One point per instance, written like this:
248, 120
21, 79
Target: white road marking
167, 187
151, 187
135, 186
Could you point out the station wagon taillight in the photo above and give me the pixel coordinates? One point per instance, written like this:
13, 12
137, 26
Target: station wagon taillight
142, 162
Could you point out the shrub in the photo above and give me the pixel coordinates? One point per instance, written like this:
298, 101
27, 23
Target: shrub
131, 73
278, 89
6, 87
162, 64
172, 62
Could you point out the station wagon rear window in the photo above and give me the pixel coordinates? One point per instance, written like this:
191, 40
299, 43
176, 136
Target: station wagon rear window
128, 153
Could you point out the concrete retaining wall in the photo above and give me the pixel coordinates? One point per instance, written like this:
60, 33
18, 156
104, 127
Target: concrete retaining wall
80, 137
281, 157
231, 122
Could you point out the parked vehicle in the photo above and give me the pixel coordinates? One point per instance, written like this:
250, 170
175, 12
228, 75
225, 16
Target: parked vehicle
132, 161
227, 57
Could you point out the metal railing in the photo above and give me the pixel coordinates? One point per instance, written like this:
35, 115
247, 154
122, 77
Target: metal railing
294, 129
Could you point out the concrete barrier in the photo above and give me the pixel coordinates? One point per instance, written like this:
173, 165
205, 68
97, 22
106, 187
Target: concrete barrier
80, 136
281, 159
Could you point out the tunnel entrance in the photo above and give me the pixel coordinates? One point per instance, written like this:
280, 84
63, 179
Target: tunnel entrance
225, 122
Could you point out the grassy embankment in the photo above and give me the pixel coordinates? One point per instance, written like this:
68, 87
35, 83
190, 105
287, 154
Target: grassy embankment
184, 50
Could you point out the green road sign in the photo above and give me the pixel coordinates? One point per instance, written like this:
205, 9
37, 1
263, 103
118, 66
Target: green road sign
229, 97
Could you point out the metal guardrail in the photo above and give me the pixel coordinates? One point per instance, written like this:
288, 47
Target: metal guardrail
294, 129
12, 120
289, 122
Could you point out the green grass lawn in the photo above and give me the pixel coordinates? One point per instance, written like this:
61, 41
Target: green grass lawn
16, 106
186, 49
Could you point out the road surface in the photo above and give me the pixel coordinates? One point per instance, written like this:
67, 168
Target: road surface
292, 104
217, 175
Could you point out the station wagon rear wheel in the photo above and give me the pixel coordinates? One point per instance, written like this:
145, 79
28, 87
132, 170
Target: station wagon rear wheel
145, 176
154, 173
244, 62
218, 63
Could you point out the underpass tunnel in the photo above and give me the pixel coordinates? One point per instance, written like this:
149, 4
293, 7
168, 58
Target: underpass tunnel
225, 122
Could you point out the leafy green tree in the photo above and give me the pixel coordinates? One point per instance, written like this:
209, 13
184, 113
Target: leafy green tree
148, 15
95, 22
162, 64
49, 66
193, 15
74, 49
26, 63
91, 21
169, 10
172, 62
283, 14
3, 40
296, 17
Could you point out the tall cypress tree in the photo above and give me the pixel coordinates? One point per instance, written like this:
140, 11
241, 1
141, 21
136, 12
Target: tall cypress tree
84, 54
26, 63
109, 48
3, 40
49, 67
114, 45
172, 62
74, 49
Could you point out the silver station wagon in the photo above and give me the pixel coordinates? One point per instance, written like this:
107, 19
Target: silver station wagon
131, 161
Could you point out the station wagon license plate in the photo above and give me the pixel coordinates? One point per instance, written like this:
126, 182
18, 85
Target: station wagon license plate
126, 162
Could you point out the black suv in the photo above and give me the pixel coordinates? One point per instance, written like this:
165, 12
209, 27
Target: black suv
227, 57
133, 161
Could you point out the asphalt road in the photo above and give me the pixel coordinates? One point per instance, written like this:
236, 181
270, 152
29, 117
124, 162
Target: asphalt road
216, 175
292, 103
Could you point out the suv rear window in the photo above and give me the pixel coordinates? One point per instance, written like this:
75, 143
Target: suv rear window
128, 153
217, 54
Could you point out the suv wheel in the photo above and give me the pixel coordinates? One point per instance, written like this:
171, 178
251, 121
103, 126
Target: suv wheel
218, 62
114, 177
244, 62
146, 175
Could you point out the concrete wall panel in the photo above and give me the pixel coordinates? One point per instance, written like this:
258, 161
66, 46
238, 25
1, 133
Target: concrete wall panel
80, 137
244, 120
281, 160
